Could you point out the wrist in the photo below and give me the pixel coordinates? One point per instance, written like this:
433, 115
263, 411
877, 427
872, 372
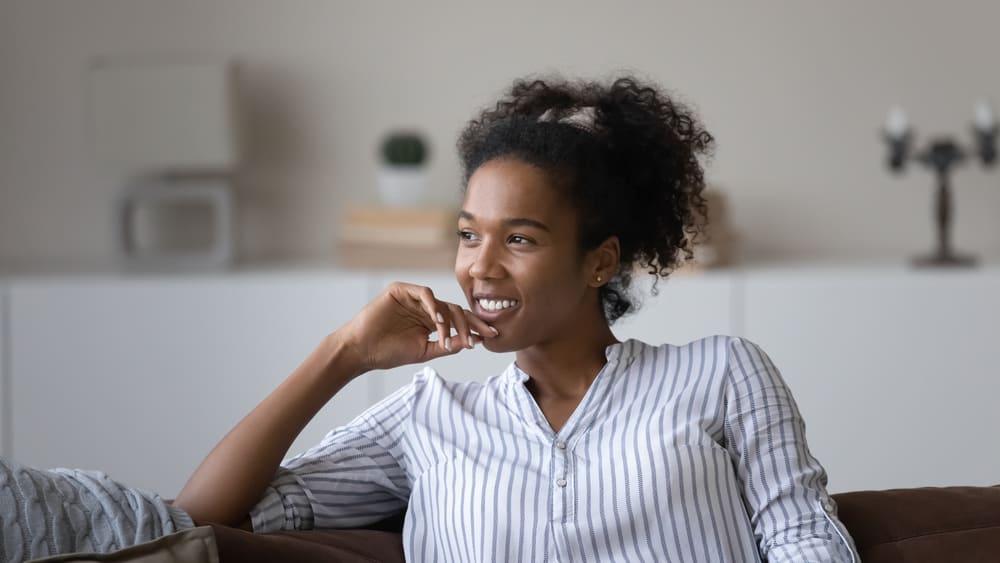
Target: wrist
342, 362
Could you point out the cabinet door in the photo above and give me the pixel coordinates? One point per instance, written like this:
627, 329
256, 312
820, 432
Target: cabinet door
141, 377
468, 365
894, 371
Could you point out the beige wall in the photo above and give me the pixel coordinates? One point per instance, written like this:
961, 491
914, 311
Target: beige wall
7, 133
794, 91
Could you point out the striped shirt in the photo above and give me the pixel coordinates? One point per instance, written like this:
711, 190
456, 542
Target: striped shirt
675, 453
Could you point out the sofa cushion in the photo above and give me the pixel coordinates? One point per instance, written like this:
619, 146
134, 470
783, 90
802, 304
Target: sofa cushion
194, 545
954, 524
326, 546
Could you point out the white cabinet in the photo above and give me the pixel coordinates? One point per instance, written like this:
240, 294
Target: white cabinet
5, 398
141, 377
894, 370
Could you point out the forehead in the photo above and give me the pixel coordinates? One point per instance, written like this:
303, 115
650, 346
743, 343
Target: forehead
509, 187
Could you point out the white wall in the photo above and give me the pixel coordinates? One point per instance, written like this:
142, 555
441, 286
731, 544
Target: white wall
794, 91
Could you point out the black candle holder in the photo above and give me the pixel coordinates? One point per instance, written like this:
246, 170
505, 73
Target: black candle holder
941, 155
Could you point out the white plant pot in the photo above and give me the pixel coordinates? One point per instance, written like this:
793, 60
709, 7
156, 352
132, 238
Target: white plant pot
402, 185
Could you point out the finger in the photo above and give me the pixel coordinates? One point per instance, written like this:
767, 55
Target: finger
461, 325
484, 329
433, 350
437, 312
408, 296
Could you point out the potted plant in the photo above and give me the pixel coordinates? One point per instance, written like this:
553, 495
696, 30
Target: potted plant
402, 178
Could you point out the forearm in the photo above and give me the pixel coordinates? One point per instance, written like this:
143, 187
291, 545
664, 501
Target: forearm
233, 476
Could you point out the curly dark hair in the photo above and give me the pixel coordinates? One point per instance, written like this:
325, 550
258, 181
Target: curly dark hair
635, 173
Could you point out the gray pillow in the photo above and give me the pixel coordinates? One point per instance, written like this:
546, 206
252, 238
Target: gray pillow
194, 545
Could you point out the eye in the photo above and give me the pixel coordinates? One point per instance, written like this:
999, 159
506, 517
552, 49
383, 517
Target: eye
518, 239
464, 235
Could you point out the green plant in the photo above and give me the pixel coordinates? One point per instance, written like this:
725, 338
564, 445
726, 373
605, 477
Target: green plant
404, 149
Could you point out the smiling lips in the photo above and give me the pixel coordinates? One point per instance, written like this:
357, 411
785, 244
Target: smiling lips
497, 304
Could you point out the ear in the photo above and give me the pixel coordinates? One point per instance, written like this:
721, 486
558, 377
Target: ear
604, 262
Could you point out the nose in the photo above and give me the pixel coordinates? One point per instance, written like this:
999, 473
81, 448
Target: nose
485, 262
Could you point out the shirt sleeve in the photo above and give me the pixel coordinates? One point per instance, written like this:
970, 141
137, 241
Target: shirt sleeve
784, 486
355, 476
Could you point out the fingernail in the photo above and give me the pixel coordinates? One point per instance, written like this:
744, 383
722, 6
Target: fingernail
495, 331
472, 343
447, 344
440, 318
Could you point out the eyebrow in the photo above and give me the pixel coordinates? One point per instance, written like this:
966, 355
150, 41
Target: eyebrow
514, 221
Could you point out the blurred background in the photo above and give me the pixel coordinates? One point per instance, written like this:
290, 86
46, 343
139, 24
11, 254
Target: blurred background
795, 93
277, 120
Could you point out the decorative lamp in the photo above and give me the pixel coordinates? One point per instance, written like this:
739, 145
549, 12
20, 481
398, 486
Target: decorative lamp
941, 155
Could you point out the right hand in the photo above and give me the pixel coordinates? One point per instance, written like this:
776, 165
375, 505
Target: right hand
393, 329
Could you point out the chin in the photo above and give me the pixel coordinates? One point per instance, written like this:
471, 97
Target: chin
498, 345
492, 345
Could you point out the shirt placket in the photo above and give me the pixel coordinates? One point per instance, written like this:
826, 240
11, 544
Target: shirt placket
560, 487
561, 481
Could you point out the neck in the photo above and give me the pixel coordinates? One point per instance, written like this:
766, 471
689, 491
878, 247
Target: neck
564, 369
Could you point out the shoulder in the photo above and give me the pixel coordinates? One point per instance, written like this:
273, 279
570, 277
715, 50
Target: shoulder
748, 366
744, 353
719, 354
717, 348
725, 346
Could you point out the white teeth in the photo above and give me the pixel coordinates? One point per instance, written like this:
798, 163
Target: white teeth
496, 305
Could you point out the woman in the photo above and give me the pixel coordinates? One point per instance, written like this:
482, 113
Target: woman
585, 448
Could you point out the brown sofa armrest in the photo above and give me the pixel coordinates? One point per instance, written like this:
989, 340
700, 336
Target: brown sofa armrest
382, 541
933, 524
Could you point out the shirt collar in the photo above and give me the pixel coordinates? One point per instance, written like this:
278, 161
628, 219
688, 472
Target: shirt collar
618, 357
613, 353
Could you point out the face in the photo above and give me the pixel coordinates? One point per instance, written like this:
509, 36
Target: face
518, 259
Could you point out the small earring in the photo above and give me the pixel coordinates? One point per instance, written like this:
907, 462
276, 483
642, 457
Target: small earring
599, 279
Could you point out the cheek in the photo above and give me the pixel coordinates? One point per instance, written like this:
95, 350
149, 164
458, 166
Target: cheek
463, 278
462, 268
557, 286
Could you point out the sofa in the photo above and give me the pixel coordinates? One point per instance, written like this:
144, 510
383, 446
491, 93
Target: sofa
939, 524
917, 525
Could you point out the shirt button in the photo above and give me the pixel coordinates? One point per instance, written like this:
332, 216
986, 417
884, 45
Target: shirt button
560, 444
561, 482
828, 506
